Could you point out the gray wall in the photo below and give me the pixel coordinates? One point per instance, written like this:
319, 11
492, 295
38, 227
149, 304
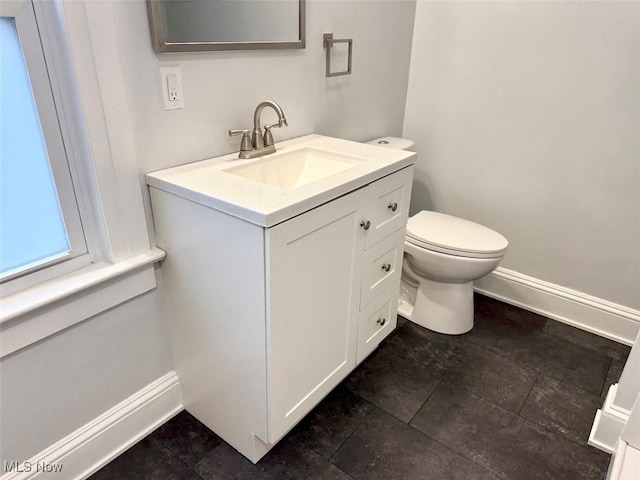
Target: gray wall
55, 386
222, 89
526, 117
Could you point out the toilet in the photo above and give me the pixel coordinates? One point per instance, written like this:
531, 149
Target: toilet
443, 256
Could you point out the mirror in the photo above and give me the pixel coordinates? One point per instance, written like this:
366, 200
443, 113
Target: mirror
202, 25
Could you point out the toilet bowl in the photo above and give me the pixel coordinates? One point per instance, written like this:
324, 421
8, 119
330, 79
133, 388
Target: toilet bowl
443, 256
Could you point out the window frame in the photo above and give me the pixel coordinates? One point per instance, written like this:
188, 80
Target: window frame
81, 38
46, 94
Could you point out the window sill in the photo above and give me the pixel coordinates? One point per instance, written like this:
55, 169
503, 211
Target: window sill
41, 311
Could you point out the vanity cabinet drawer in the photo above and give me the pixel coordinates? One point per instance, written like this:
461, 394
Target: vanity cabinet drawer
377, 321
381, 267
387, 207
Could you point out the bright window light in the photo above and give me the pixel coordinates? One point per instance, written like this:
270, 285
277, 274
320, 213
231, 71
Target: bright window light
32, 229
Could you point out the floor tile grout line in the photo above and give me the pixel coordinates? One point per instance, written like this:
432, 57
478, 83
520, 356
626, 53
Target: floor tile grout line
375, 407
604, 385
546, 322
525, 420
439, 379
353, 431
476, 394
555, 433
425, 401
529, 394
531, 367
444, 377
223, 442
572, 385
451, 449
589, 349
527, 366
174, 453
585, 346
328, 460
160, 440
545, 427
483, 347
539, 374
547, 334
196, 473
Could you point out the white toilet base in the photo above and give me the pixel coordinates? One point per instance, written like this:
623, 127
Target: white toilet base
444, 307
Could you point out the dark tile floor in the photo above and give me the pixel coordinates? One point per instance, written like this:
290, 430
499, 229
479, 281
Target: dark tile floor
514, 398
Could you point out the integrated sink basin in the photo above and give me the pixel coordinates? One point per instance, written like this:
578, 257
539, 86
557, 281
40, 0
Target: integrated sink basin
296, 168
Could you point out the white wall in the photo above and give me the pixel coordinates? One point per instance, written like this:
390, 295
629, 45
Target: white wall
57, 385
222, 89
526, 117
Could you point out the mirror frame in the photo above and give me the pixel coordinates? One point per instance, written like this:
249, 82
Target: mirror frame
162, 45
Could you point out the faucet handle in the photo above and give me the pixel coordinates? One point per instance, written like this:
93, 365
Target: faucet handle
245, 143
268, 138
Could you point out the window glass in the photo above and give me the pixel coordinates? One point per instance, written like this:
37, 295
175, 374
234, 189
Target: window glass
32, 229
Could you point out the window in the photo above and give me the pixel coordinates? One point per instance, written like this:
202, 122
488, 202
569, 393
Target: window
95, 253
41, 233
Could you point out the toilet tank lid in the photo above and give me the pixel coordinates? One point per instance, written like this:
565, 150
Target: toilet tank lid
454, 233
393, 142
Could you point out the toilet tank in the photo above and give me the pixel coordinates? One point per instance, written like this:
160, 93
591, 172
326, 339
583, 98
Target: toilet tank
393, 142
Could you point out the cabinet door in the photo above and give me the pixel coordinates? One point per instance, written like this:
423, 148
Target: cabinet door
387, 205
313, 289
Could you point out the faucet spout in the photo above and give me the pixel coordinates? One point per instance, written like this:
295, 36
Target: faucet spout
282, 121
257, 138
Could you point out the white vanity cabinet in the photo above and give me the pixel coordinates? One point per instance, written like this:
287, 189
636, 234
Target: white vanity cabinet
330, 300
265, 321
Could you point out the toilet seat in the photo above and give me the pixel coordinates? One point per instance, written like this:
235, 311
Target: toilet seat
454, 236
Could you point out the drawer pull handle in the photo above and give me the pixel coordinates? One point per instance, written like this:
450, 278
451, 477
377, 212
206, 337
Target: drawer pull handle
392, 206
382, 321
386, 267
365, 224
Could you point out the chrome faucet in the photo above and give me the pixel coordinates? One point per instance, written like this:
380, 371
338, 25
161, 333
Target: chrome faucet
260, 144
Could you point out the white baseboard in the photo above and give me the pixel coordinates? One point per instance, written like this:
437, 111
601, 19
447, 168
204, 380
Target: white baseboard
608, 424
625, 463
578, 309
95, 444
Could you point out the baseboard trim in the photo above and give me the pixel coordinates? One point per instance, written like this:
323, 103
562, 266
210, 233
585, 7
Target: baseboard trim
578, 309
95, 444
608, 423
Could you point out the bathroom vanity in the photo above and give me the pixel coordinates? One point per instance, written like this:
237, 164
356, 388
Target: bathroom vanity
282, 274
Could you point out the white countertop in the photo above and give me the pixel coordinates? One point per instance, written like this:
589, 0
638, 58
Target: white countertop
205, 182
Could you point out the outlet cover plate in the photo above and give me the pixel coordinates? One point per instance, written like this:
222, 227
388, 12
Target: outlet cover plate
171, 87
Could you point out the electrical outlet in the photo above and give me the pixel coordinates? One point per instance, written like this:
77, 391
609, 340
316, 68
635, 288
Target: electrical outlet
171, 81
172, 86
